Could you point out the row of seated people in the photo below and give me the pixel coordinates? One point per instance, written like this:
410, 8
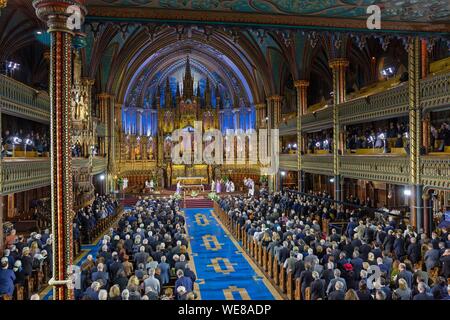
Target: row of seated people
26, 261
333, 266
85, 221
440, 137
18, 143
396, 136
322, 141
144, 258
26, 264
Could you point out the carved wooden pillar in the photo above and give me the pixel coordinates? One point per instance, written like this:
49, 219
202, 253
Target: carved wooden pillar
1, 223
302, 109
54, 13
426, 132
274, 115
261, 114
424, 58
415, 130
338, 67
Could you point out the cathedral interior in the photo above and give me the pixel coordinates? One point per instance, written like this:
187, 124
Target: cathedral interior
88, 113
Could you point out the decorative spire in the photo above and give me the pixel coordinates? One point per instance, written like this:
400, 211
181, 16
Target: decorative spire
168, 95
188, 82
218, 100
207, 94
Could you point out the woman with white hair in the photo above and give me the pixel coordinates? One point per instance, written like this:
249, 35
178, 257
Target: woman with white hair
103, 295
125, 294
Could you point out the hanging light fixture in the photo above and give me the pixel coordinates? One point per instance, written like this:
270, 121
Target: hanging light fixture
3, 3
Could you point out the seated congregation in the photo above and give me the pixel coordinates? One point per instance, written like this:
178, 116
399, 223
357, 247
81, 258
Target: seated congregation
295, 239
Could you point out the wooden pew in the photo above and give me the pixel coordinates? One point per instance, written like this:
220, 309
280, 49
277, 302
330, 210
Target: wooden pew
29, 287
290, 286
282, 277
270, 264
276, 272
298, 289
308, 293
260, 253
19, 292
38, 279
264, 259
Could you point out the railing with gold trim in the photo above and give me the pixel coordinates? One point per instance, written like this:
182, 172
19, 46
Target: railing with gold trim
99, 164
387, 104
434, 91
321, 164
435, 171
322, 119
389, 169
288, 162
23, 101
288, 127
17, 175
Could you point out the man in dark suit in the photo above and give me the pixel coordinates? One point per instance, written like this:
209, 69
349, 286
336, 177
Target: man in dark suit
284, 252
299, 266
399, 246
422, 295
338, 293
413, 251
404, 274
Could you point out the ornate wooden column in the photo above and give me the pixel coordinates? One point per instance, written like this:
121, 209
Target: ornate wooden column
274, 115
415, 130
261, 114
338, 66
302, 108
53, 12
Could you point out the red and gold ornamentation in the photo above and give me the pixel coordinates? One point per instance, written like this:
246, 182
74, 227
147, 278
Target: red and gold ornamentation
55, 14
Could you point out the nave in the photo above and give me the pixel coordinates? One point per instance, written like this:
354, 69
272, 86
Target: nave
224, 269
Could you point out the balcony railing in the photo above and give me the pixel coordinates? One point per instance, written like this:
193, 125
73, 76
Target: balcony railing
288, 162
435, 171
387, 104
18, 175
321, 164
434, 91
289, 127
390, 169
99, 165
23, 101
390, 103
322, 119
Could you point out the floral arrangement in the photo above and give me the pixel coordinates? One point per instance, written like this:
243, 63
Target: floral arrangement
213, 196
194, 194
176, 196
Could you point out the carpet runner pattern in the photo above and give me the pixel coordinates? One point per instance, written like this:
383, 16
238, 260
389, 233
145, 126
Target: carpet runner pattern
223, 270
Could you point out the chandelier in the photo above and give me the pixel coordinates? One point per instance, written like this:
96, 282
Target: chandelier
3, 3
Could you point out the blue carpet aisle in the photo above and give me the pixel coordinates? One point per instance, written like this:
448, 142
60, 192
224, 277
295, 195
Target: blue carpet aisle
223, 272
